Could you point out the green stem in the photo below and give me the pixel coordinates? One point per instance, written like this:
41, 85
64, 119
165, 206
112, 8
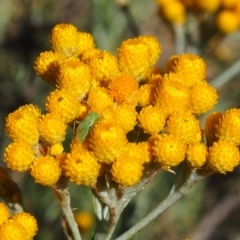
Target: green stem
180, 189
63, 197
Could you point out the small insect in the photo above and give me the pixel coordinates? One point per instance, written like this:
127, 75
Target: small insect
86, 125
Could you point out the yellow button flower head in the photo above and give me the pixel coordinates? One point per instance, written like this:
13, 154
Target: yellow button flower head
223, 156
203, 97
46, 170
227, 21
22, 124
123, 115
81, 167
208, 6
155, 75
172, 97
107, 141
64, 104
185, 126
228, 3
86, 41
52, 128
84, 220
75, 76
98, 99
152, 119
123, 88
104, 66
210, 127
12, 230
89, 54
55, 149
169, 151
148, 151
145, 95
196, 154
174, 11
190, 69
28, 222
65, 40
46, 66
4, 213
19, 156
126, 171
229, 126
154, 46
134, 151
126, 117
134, 56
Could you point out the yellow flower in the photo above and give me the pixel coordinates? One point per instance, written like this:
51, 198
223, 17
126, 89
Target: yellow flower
174, 11
155, 75
197, 154
66, 40
84, 220
210, 127
223, 156
229, 126
126, 117
98, 99
229, 3
52, 128
188, 69
12, 230
152, 119
169, 151
64, 104
203, 97
46, 170
148, 151
227, 21
123, 88
56, 149
4, 213
185, 126
28, 222
134, 151
19, 156
126, 171
154, 47
75, 76
172, 96
123, 115
86, 41
81, 167
145, 95
107, 141
208, 6
46, 66
22, 124
104, 66
134, 56
89, 54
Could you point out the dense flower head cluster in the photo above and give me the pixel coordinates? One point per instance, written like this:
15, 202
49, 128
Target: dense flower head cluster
21, 225
227, 18
125, 113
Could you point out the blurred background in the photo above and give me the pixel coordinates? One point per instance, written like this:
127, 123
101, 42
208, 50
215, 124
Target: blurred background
211, 210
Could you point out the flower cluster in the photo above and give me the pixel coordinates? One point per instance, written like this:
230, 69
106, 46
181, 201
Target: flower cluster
21, 225
227, 18
125, 112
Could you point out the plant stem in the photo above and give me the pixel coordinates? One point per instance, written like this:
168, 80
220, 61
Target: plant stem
63, 197
178, 190
227, 75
